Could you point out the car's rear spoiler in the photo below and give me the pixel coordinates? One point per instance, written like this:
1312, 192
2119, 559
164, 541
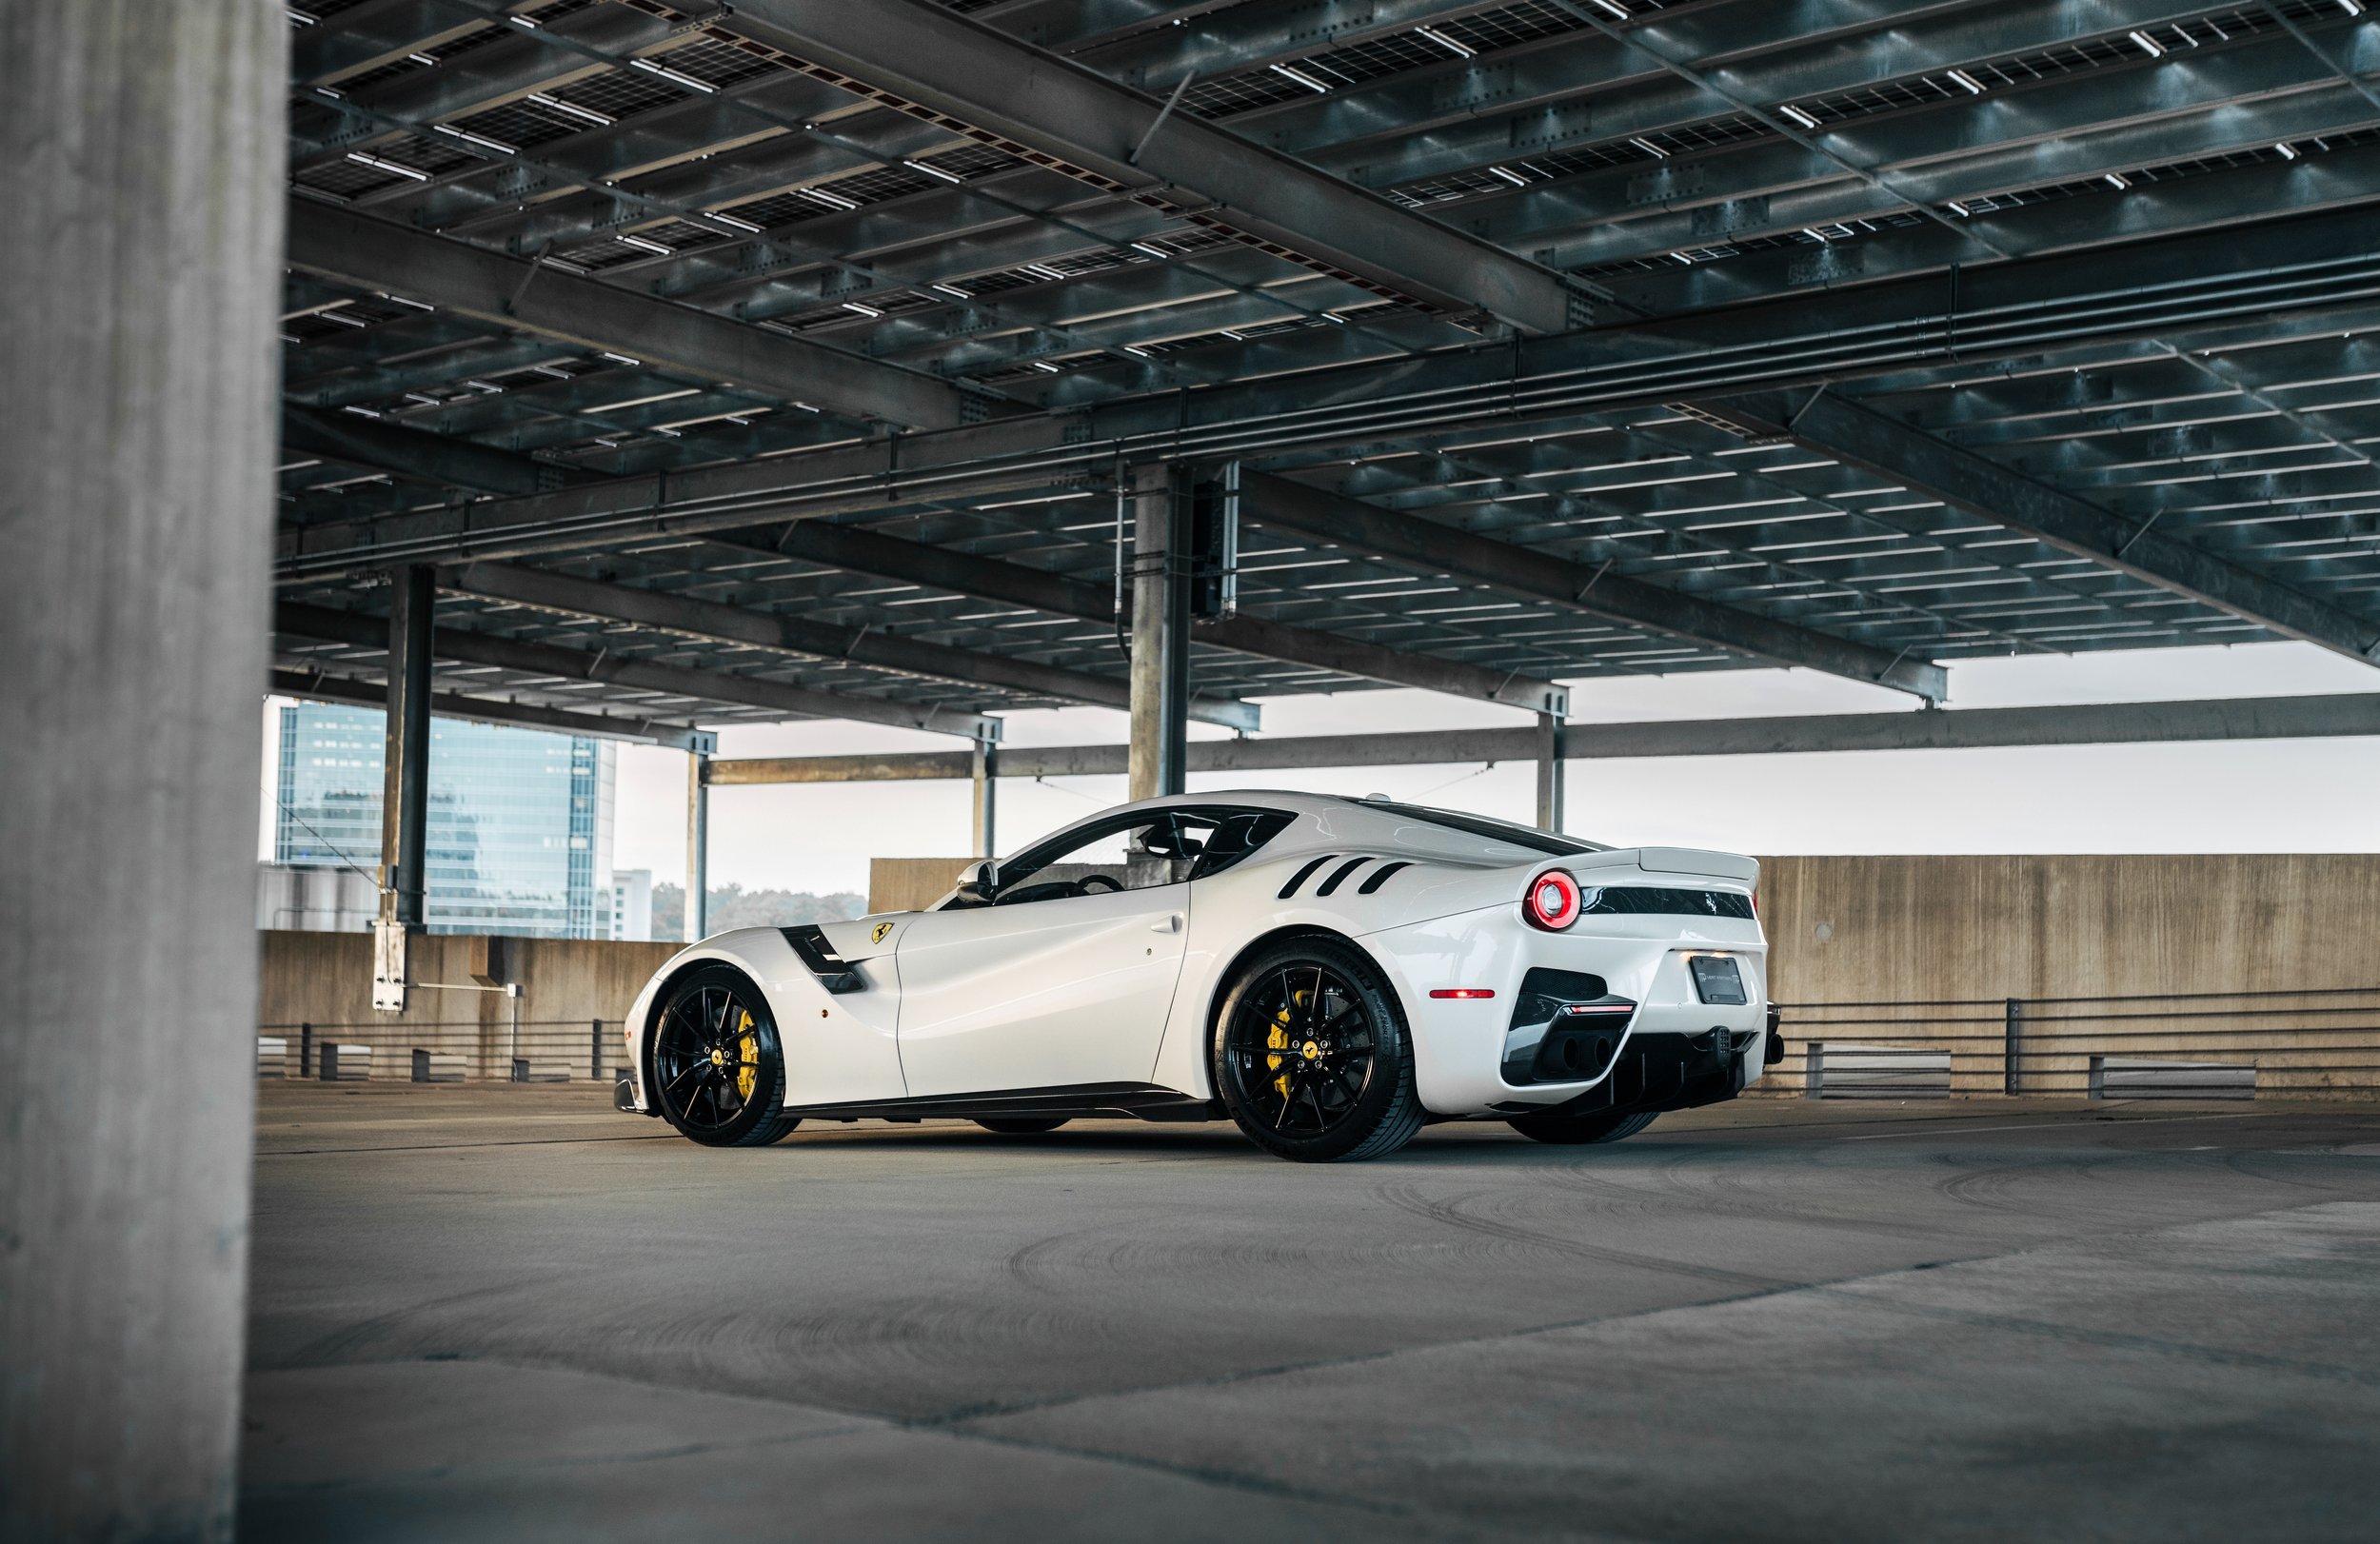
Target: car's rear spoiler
1719, 866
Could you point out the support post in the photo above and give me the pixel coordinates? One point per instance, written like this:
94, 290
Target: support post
698, 846
138, 364
1552, 743
985, 769
1160, 631
2011, 1033
404, 783
1813, 1070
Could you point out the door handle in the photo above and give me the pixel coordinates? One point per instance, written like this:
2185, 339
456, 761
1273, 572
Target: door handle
1170, 923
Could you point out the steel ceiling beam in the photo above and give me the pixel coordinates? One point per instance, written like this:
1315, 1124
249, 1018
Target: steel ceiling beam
1860, 436
937, 64
323, 687
358, 630
2094, 724
593, 315
864, 551
440, 459
778, 633
1584, 588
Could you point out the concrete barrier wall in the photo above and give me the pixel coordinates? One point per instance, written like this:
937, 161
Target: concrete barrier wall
326, 980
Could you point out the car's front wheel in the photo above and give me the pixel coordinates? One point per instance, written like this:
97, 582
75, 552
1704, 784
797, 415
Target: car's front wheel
1574, 1130
1312, 1056
719, 1071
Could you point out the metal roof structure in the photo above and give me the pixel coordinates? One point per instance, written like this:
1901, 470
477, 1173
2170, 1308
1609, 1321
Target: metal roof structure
792, 358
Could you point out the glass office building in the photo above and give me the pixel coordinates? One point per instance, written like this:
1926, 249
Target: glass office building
519, 821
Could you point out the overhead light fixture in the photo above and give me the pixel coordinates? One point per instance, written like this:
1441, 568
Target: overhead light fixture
589, 114
421, 58
2353, 7
934, 171
1334, 318
649, 245
1439, 38
1798, 116
2289, 151
481, 139
1301, 78
379, 164
1236, 337
950, 289
1955, 207
1974, 88
1815, 234
1045, 271
2115, 180
619, 358
1650, 149
1512, 177
673, 76
732, 222
833, 201
1045, 369
1137, 352
1617, 9
1152, 251
2149, 46
863, 311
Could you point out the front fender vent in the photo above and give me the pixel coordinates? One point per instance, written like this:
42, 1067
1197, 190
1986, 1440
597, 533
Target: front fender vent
833, 972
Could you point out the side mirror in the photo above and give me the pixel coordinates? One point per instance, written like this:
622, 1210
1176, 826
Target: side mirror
979, 881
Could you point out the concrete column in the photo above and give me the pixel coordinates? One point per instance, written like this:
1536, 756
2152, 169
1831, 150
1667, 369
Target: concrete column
1551, 746
1160, 631
698, 844
405, 776
138, 362
986, 771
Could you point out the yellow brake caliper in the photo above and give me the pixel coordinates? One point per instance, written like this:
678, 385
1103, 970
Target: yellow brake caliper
747, 1052
1277, 1038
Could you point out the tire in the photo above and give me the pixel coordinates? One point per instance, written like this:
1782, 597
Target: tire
719, 1071
1305, 1079
1023, 1125
1578, 1130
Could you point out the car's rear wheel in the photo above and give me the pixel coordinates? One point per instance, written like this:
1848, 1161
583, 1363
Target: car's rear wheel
1022, 1126
1575, 1130
719, 1071
1312, 1056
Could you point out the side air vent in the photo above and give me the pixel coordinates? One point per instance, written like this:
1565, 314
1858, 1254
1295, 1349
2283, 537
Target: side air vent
1339, 874
1302, 875
1380, 875
833, 972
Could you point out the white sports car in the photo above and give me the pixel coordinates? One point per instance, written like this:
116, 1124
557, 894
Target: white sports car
1329, 973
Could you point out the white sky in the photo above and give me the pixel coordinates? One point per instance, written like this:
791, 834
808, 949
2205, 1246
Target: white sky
2254, 796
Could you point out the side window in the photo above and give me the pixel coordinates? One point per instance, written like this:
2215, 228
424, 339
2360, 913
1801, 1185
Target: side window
1162, 850
1239, 833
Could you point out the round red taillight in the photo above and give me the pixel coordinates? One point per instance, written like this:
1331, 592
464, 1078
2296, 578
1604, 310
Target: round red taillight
1552, 903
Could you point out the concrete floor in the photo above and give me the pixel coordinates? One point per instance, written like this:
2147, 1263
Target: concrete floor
508, 1313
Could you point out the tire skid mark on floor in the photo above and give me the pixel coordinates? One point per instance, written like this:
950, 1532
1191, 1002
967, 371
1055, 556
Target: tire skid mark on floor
1451, 1212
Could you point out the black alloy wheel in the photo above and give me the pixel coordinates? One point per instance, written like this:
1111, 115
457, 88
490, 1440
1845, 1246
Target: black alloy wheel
1577, 1130
719, 1074
1019, 1125
1312, 1057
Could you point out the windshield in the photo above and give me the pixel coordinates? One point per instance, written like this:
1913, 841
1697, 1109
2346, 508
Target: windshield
1526, 837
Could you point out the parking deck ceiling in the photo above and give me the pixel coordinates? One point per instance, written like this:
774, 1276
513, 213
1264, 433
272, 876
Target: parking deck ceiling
715, 351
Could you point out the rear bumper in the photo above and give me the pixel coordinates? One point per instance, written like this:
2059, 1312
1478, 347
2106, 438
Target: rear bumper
1513, 1052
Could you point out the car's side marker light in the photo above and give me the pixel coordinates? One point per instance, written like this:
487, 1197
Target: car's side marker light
1464, 993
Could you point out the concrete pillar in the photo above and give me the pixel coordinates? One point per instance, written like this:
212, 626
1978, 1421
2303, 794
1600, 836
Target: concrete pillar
1551, 746
405, 776
986, 771
698, 844
1160, 631
138, 364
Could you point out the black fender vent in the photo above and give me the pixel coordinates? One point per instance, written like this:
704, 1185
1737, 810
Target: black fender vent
833, 972
1380, 875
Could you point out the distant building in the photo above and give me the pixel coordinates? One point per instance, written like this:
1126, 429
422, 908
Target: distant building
632, 904
304, 899
519, 821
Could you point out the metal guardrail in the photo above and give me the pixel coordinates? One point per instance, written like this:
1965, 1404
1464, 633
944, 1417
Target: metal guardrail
529, 1051
2319, 1044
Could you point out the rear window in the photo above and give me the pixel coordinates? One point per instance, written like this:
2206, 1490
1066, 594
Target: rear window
1526, 837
